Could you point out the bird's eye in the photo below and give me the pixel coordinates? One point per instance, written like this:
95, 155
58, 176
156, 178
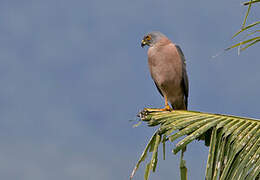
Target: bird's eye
148, 38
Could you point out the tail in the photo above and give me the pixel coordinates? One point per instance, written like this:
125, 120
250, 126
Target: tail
183, 105
186, 102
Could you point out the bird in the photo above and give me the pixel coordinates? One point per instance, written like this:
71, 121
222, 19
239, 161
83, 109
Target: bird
167, 67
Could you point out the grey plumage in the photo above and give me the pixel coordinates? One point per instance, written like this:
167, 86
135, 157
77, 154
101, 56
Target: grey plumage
168, 69
185, 80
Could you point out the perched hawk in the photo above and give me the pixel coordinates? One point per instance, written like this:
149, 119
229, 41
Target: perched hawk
168, 70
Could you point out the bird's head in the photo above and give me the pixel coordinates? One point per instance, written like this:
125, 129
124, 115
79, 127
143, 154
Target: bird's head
152, 38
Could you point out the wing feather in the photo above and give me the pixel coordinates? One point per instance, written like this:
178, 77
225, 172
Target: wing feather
158, 88
184, 81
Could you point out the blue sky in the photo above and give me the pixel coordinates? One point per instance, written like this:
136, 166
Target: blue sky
73, 74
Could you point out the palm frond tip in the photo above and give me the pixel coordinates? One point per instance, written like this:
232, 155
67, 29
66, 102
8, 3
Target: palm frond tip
234, 141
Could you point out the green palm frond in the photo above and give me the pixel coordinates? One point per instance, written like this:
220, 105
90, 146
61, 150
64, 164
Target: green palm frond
246, 28
249, 28
251, 2
234, 141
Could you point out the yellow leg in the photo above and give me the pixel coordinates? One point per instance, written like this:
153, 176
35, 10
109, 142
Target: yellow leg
166, 108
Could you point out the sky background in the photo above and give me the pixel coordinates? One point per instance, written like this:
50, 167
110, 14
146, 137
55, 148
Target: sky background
73, 74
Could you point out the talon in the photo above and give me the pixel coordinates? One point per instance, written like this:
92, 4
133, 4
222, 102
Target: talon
168, 108
152, 109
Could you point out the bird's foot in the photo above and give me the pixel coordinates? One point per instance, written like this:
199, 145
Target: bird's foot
166, 108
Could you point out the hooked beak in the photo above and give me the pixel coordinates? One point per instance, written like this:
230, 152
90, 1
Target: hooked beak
143, 43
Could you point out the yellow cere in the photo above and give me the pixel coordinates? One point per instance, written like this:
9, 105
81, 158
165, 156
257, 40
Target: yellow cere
148, 37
